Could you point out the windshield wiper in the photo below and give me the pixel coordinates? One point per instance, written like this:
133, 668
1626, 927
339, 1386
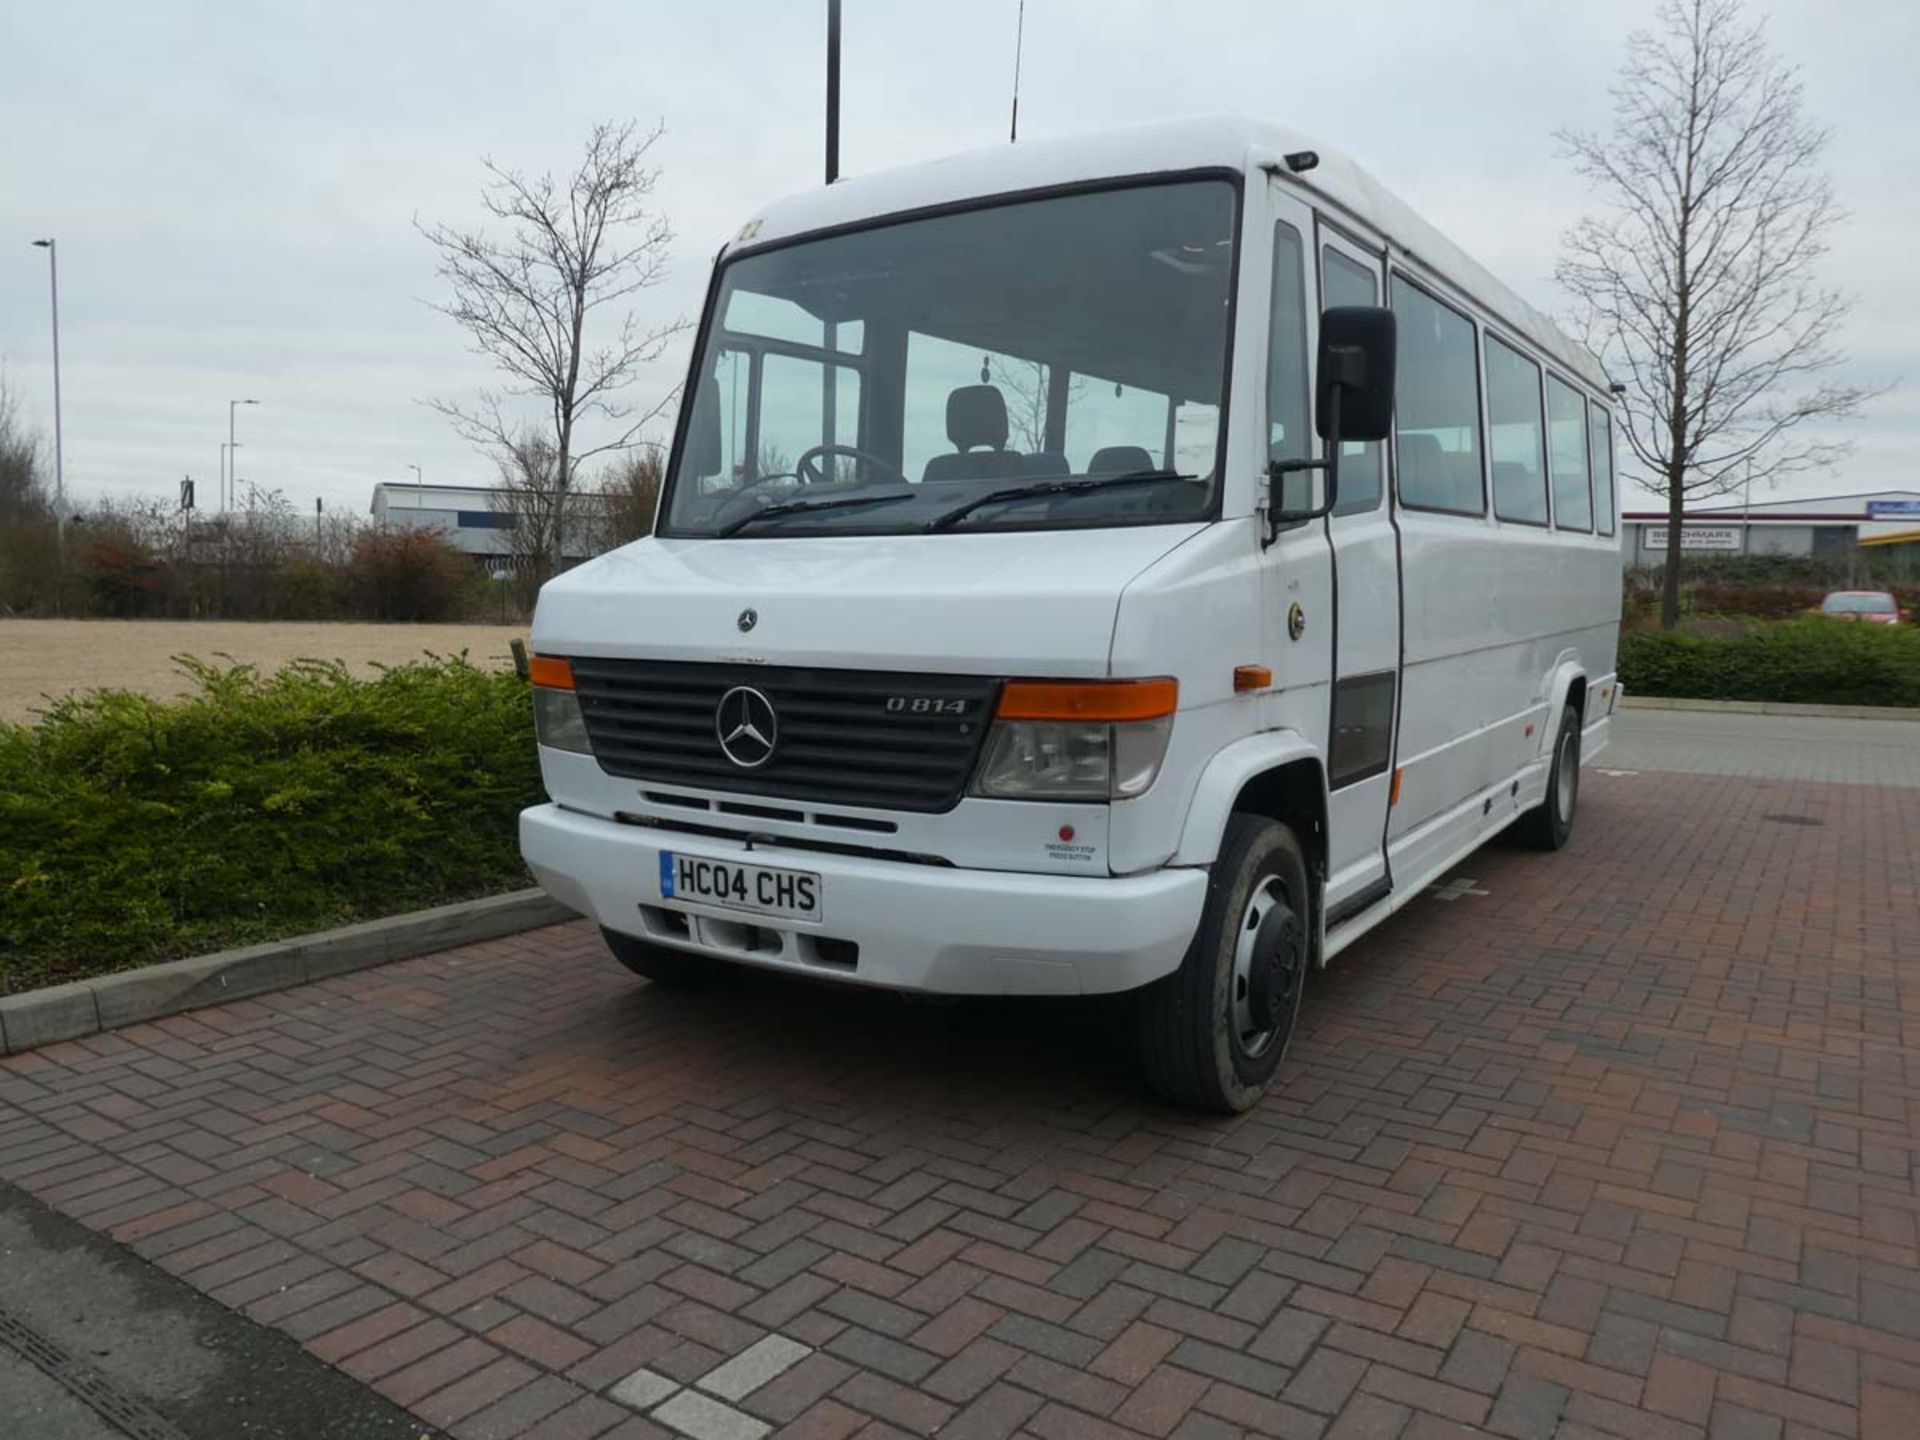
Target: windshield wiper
950, 518
802, 507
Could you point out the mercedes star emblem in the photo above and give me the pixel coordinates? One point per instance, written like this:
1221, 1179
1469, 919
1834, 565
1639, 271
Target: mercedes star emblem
746, 726
748, 618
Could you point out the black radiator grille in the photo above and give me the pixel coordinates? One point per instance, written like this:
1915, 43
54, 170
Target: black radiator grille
846, 737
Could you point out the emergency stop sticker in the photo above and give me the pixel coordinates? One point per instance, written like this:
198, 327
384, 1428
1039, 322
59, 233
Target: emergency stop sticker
1069, 853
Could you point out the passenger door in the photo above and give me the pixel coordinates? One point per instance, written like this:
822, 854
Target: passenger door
1366, 620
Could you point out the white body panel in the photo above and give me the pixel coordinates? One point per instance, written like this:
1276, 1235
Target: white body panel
1009, 604
1481, 628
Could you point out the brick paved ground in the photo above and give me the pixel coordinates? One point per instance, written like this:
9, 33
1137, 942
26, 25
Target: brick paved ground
1624, 1146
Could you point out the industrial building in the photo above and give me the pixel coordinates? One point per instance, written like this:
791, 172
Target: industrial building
475, 518
1826, 527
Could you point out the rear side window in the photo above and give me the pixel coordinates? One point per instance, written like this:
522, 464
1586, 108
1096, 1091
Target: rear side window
1515, 438
1436, 425
1345, 281
1287, 350
1567, 447
1603, 498
1287, 361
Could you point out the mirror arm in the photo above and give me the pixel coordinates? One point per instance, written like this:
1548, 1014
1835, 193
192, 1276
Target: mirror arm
1329, 463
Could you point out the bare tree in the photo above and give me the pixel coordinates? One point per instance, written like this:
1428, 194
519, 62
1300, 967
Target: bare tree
1024, 384
630, 492
572, 249
23, 489
1698, 284
529, 497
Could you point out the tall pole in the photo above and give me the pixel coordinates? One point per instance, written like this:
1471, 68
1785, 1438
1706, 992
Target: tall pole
419, 496
1019, 39
233, 449
833, 91
1746, 510
59, 454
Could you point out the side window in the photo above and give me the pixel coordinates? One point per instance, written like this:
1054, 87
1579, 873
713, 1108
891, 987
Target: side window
798, 411
1287, 426
1196, 437
1515, 436
936, 368
751, 313
1436, 423
1112, 424
1567, 447
1603, 501
1345, 281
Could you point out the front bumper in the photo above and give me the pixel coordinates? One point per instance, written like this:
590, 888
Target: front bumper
917, 927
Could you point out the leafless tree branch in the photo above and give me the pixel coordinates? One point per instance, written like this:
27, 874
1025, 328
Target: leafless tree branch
529, 289
1698, 284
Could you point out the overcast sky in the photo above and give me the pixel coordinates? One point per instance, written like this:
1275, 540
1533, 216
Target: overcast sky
233, 185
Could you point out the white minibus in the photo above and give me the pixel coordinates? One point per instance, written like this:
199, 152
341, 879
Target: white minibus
1138, 563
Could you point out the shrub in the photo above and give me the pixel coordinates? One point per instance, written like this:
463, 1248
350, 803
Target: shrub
304, 588
1811, 660
135, 830
409, 575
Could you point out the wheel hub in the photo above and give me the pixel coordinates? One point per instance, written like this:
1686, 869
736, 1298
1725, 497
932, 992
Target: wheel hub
1267, 967
1269, 983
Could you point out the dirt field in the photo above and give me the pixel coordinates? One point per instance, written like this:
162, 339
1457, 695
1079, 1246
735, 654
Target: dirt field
40, 659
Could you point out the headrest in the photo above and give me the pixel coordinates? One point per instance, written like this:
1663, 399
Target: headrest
976, 415
1120, 460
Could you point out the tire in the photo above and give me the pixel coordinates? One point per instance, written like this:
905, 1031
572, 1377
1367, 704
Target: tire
674, 968
1548, 825
1213, 1032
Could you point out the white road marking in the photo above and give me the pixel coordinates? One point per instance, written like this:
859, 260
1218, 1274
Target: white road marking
754, 1367
643, 1388
694, 1414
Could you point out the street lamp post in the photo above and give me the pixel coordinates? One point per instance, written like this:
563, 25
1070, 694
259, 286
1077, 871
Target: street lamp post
419, 496
233, 460
59, 456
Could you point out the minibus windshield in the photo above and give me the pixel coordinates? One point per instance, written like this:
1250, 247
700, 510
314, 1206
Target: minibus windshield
876, 380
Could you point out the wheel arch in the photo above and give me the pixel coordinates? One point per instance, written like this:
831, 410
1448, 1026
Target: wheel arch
1280, 775
1568, 686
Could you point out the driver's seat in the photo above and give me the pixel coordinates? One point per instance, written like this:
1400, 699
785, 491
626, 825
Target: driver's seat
977, 426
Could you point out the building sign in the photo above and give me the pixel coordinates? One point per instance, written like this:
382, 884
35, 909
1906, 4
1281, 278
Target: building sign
1892, 509
1697, 537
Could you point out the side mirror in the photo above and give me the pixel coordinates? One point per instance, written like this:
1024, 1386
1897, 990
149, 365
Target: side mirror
703, 454
1353, 402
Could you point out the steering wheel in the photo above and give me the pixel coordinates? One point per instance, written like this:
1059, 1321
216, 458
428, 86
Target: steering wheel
808, 472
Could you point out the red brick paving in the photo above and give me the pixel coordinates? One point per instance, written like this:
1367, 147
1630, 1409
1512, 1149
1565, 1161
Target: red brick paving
1625, 1147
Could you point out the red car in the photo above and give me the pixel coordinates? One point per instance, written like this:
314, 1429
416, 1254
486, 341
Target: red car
1876, 607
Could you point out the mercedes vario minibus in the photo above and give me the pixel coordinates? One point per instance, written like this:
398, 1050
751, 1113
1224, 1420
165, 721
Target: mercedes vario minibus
1129, 564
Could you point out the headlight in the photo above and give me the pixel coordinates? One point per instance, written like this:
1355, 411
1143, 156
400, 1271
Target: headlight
1087, 742
557, 721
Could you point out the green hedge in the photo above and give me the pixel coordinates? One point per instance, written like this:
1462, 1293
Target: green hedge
134, 830
1813, 660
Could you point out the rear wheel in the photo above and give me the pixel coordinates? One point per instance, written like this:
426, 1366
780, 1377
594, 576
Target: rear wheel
663, 966
1212, 1033
1548, 825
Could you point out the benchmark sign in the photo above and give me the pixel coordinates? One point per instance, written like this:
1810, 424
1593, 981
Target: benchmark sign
1696, 537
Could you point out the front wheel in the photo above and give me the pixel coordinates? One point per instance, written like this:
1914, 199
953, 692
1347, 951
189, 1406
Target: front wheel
1549, 824
1212, 1033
